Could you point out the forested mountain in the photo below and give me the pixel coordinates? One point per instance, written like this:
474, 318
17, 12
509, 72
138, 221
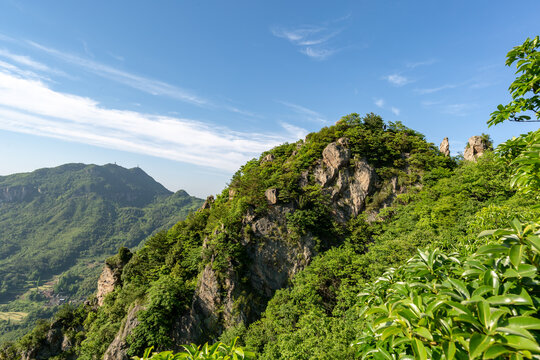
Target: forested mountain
280, 256
361, 241
57, 225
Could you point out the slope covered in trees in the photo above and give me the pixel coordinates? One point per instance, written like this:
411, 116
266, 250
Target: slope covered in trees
361, 241
57, 225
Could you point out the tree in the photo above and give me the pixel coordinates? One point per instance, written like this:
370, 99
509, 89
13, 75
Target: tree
525, 89
523, 152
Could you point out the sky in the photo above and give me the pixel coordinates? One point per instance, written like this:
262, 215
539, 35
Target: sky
191, 90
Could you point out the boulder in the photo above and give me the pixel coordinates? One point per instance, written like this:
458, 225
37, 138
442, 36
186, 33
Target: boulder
476, 147
271, 196
208, 203
337, 153
445, 147
268, 158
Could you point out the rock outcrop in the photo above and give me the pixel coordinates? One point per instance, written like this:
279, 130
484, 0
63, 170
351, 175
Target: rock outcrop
111, 275
476, 147
17, 193
271, 196
118, 349
270, 261
108, 280
54, 343
208, 202
445, 147
347, 184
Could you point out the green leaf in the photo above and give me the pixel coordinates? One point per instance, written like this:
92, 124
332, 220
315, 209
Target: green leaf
449, 349
484, 313
423, 332
419, 349
509, 299
521, 343
525, 322
515, 330
478, 344
393, 330
516, 253
492, 249
527, 270
495, 351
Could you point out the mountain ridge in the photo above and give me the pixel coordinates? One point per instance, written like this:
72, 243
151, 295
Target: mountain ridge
68, 217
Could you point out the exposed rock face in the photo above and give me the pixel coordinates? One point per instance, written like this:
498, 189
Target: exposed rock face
337, 154
445, 147
271, 196
108, 280
208, 203
271, 261
119, 347
268, 158
17, 193
475, 148
348, 186
111, 275
54, 344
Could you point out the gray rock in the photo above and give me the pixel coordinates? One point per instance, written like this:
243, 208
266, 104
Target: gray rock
445, 147
118, 349
271, 196
108, 280
337, 154
475, 148
268, 158
208, 203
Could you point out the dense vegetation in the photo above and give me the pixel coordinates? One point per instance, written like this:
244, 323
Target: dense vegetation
58, 225
441, 264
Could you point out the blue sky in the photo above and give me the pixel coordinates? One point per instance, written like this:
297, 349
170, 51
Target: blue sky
190, 90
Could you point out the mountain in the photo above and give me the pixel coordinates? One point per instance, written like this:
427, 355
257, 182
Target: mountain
58, 224
280, 257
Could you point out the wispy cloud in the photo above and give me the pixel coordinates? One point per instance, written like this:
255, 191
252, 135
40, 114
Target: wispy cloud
29, 106
462, 109
312, 41
379, 102
437, 89
395, 111
29, 62
150, 86
397, 79
413, 65
305, 112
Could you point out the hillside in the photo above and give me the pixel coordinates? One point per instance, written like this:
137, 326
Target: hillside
280, 256
57, 225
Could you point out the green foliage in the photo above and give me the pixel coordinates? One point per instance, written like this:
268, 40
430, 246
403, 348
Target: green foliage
168, 298
441, 306
523, 155
62, 223
217, 351
525, 89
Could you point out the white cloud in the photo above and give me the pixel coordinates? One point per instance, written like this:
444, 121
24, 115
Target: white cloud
413, 65
319, 54
397, 80
312, 40
29, 106
305, 112
437, 89
150, 86
379, 102
458, 109
395, 111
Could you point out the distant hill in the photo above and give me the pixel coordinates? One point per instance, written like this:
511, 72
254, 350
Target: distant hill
59, 223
